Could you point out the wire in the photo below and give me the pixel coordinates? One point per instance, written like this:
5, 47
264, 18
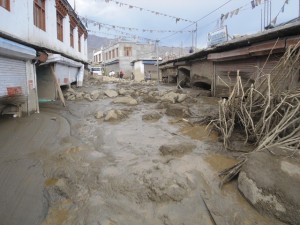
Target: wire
198, 20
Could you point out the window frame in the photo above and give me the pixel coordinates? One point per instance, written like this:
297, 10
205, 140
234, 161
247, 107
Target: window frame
60, 26
79, 42
5, 4
39, 14
72, 28
127, 51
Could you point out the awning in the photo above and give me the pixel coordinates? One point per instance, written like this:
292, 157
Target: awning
16, 50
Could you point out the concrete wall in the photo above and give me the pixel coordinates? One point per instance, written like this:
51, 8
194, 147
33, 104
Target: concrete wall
19, 24
202, 71
138, 71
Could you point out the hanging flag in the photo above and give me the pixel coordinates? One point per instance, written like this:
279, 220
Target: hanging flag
177, 20
282, 9
237, 11
274, 21
232, 13
286, 2
226, 16
253, 4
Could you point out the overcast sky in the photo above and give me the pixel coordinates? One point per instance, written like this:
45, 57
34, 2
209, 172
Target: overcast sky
247, 21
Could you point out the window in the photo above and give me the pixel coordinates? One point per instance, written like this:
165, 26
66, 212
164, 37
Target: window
117, 52
113, 53
127, 51
39, 14
72, 36
5, 4
109, 54
79, 42
60, 26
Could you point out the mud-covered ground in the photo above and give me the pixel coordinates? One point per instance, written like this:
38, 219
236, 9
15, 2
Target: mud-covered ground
120, 153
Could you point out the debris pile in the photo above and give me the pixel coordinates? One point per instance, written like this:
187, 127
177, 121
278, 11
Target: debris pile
268, 112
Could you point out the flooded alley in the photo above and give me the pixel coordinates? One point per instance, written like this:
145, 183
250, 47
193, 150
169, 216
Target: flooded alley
99, 161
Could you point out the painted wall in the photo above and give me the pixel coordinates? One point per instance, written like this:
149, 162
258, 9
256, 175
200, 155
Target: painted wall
19, 24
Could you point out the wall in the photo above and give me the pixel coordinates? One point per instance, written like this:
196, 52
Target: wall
138, 71
19, 24
202, 71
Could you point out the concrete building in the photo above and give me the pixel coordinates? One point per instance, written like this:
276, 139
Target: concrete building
47, 34
141, 68
216, 68
119, 56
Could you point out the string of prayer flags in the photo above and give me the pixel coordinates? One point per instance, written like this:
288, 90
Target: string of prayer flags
177, 19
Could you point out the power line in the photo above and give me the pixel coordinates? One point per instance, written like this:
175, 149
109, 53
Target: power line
148, 10
198, 19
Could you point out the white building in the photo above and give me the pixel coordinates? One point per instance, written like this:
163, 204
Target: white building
37, 35
119, 56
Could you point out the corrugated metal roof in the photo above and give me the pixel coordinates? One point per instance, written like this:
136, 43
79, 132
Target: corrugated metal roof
284, 30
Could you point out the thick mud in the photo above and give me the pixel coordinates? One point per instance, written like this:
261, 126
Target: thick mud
65, 166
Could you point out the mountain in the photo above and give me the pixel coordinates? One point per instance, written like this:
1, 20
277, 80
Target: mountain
94, 43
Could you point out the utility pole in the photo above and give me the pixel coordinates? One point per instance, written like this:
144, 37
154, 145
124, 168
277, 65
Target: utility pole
299, 8
197, 36
158, 78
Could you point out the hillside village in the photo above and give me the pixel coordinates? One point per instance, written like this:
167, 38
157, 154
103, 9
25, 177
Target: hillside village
98, 130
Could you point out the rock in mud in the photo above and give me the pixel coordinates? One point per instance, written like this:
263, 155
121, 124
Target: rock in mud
176, 149
181, 97
173, 97
95, 94
71, 97
79, 95
99, 115
163, 186
152, 116
150, 99
122, 91
71, 90
113, 115
88, 97
111, 93
271, 183
125, 100
177, 110
170, 97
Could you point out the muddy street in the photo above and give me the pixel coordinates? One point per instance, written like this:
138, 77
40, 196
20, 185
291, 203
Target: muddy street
120, 153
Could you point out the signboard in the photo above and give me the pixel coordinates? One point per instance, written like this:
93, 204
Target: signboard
217, 36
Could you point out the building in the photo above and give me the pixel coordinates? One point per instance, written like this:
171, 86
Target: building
119, 56
141, 68
43, 46
216, 68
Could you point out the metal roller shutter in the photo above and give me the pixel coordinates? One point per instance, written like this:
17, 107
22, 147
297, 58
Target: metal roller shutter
12, 74
226, 73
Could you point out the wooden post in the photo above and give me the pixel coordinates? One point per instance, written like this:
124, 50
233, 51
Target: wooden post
60, 94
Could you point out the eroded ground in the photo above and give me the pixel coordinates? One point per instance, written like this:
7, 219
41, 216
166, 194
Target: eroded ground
123, 163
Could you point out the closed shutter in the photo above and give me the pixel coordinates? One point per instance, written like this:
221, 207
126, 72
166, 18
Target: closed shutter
62, 73
12, 74
226, 73
66, 74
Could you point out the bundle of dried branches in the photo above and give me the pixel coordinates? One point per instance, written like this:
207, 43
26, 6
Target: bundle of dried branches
268, 111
